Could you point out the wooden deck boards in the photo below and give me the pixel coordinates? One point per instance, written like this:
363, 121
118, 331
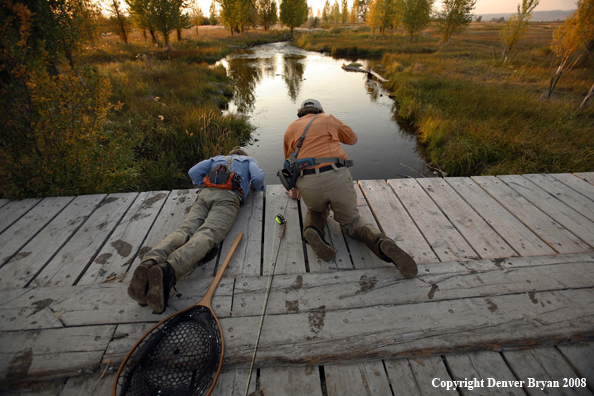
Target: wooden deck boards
505, 263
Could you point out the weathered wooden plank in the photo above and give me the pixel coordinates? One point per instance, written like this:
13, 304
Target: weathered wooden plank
402, 378
426, 370
515, 233
485, 241
576, 183
90, 385
290, 381
95, 304
587, 176
17, 272
287, 252
357, 379
72, 260
123, 340
455, 280
120, 250
543, 364
53, 353
13, 210
556, 209
40, 388
173, 213
17, 235
324, 336
482, 371
3, 202
234, 383
396, 222
581, 357
570, 197
335, 238
445, 240
559, 238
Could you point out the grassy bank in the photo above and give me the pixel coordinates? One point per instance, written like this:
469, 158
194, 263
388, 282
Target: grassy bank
172, 100
475, 114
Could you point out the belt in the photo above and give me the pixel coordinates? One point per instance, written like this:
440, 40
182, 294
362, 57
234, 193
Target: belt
322, 169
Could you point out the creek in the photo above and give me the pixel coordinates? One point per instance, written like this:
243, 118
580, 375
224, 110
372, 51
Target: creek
270, 82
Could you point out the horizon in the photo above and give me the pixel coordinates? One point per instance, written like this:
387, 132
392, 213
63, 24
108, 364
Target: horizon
482, 6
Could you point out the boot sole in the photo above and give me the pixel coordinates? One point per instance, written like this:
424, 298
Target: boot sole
322, 250
155, 297
403, 261
139, 285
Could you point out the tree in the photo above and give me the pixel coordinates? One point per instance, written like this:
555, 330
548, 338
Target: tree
213, 16
575, 36
381, 15
139, 13
454, 16
416, 15
335, 12
293, 13
267, 12
54, 139
196, 16
326, 12
354, 14
235, 14
121, 22
344, 16
516, 26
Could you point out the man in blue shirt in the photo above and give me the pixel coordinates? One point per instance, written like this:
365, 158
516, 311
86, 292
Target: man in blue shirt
205, 226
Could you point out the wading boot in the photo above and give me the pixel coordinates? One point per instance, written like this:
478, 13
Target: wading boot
315, 239
161, 278
403, 261
139, 285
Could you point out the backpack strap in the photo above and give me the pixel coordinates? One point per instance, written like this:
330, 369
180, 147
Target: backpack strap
300, 142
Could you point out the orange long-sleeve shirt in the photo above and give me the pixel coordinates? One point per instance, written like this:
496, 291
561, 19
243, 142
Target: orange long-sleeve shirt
323, 138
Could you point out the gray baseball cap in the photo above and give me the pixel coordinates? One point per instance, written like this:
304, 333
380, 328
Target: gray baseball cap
311, 103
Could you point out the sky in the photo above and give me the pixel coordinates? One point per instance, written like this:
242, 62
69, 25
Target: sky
482, 6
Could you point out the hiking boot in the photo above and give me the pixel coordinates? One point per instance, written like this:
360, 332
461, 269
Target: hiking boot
322, 248
403, 261
139, 285
161, 278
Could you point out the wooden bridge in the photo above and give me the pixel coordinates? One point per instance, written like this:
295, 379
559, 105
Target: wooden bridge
505, 291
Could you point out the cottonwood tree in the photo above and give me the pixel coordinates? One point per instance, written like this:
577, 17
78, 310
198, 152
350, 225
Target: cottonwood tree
344, 15
293, 13
575, 36
326, 12
381, 15
335, 12
120, 20
267, 12
416, 15
139, 13
453, 17
213, 16
236, 14
516, 26
196, 15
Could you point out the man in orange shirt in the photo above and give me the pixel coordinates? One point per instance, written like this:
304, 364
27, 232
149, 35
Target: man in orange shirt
330, 186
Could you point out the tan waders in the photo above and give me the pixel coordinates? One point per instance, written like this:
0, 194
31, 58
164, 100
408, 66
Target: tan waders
334, 189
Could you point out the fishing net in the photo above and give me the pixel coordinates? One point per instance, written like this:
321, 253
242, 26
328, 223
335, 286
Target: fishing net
179, 358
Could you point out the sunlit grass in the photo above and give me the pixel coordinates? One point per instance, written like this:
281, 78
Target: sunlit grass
477, 115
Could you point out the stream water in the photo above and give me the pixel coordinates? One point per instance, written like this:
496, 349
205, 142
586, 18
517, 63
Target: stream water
270, 82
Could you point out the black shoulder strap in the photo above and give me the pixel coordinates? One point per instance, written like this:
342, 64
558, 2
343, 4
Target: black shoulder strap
300, 142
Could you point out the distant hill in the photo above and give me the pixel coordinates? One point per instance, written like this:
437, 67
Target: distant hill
537, 16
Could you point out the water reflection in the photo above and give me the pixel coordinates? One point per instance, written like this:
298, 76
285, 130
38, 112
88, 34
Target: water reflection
271, 80
293, 69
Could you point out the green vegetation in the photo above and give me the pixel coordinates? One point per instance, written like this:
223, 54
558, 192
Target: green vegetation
475, 114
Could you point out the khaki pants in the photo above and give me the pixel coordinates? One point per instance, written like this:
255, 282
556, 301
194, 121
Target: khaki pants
205, 226
334, 190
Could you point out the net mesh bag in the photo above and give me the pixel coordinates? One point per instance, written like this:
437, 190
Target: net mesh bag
179, 358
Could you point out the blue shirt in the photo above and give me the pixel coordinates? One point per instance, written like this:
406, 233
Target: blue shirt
246, 167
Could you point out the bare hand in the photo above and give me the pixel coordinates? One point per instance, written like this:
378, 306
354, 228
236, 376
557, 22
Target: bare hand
293, 194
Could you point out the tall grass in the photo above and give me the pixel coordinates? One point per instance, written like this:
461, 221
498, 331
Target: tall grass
172, 101
476, 115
